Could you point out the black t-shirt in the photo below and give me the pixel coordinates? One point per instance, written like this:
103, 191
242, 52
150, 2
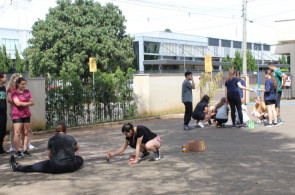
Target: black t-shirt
146, 133
3, 103
62, 148
131, 142
199, 110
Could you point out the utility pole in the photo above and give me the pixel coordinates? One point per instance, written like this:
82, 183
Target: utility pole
244, 37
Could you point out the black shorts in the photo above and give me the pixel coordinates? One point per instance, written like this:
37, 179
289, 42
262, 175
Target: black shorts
278, 97
22, 120
270, 102
199, 116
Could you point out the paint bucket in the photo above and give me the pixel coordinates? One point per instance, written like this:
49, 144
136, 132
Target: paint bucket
251, 125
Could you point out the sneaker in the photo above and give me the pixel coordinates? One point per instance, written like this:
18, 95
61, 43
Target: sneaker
157, 155
269, 125
18, 155
243, 126
30, 146
13, 164
196, 125
26, 153
12, 149
200, 124
143, 155
233, 126
223, 125
187, 128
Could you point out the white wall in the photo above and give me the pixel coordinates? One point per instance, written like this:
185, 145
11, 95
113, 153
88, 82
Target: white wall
160, 93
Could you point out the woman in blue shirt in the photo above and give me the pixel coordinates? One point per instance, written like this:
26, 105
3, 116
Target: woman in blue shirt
270, 97
232, 95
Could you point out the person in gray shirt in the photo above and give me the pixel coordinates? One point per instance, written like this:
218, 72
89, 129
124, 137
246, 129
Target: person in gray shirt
221, 110
187, 98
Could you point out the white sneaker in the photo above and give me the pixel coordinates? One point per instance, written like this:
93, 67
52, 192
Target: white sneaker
196, 125
12, 149
30, 146
200, 124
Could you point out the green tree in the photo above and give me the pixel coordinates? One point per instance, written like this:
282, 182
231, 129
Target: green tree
251, 62
168, 30
5, 61
18, 63
237, 62
283, 60
73, 32
227, 59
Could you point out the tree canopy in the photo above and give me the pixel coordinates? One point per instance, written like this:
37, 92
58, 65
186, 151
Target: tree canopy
73, 32
237, 62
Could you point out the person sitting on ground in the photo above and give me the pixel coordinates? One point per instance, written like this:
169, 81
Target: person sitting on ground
260, 110
221, 110
61, 153
201, 113
142, 139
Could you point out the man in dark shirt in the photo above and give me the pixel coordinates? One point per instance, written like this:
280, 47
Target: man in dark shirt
61, 153
3, 112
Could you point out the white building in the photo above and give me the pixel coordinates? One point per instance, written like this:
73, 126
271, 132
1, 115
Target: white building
174, 51
14, 37
285, 30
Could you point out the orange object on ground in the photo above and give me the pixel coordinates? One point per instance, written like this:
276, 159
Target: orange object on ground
132, 157
184, 148
196, 146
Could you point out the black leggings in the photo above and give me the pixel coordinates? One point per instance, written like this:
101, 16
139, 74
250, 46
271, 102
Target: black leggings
234, 101
3, 121
49, 167
221, 121
188, 112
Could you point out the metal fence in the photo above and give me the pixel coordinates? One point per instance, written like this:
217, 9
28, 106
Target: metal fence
77, 104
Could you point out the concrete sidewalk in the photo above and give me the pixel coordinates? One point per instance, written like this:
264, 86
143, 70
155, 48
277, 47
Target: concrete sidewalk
237, 161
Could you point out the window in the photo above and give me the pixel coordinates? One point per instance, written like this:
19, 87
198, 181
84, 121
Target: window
213, 42
200, 51
249, 45
151, 47
257, 46
266, 47
225, 43
10, 44
169, 49
237, 44
186, 50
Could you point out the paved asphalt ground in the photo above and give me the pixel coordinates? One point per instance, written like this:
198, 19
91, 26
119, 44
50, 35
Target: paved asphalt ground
237, 161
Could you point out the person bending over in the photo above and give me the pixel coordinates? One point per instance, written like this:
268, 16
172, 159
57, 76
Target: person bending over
222, 112
61, 153
142, 139
201, 113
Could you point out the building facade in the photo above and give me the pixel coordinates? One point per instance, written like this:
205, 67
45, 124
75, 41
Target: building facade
285, 31
12, 38
173, 51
